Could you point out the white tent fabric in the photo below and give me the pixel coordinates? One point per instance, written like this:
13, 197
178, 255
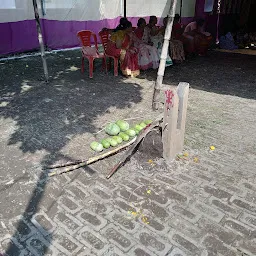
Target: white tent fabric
84, 10
61, 19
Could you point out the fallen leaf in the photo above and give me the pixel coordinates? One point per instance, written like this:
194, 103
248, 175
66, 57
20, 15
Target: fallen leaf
212, 148
185, 154
196, 160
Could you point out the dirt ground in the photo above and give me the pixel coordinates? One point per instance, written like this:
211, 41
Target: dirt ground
204, 203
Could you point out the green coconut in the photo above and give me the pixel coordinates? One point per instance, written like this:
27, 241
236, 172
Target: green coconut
112, 129
124, 136
96, 146
123, 125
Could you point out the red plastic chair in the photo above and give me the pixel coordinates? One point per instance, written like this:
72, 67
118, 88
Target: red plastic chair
89, 52
104, 36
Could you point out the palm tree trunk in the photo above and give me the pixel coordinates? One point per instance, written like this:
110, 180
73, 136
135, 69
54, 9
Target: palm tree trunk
161, 70
40, 39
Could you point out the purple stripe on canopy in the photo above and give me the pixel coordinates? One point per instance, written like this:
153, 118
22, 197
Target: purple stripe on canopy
22, 36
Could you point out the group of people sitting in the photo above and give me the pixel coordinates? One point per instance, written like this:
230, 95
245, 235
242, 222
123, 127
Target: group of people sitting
140, 48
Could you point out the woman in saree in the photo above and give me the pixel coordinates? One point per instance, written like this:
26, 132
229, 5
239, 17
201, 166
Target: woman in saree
176, 46
148, 54
121, 45
155, 36
196, 40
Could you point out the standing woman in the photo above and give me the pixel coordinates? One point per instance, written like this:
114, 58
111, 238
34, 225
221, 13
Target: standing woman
121, 45
148, 54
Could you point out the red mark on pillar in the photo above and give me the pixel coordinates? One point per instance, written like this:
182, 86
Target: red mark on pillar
169, 99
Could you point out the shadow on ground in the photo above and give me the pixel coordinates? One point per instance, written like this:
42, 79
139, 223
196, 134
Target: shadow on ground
222, 73
46, 116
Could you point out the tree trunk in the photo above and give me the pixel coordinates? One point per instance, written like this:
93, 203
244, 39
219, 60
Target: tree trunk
161, 70
40, 39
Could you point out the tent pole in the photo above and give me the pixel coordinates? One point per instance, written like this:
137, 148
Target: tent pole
181, 4
40, 39
125, 9
161, 70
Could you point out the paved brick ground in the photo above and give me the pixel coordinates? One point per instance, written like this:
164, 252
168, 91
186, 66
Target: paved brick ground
202, 204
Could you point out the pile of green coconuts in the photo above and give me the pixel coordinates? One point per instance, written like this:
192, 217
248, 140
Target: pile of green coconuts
118, 132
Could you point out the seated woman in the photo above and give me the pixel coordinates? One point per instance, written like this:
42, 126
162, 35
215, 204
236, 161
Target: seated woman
155, 36
196, 40
177, 28
148, 55
121, 45
176, 46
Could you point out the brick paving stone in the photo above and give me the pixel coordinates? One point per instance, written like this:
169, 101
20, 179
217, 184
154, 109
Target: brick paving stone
189, 180
127, 195
153, 224
208, 211
216, 247
65, 243
184, 243
67, 222
39, 246
121, 204
68, 204
224, 235
194, 192
101, 193
175, 196
247, 247
182, 226
125, 220
221, 194
106, 183
158, 198
21, 228
249, 186
157, 210
94, 221
129, 184
147, 183
232, 189
118, 237
77, 190
224, 207
43, 223
177, 252
113, 251
166, 180
248, 219
247, 206
239, 227
204, 177
92, 240
154, 242
251, 197
10, 246
52, 210
51, 193
189, 214
139, 251
98, 207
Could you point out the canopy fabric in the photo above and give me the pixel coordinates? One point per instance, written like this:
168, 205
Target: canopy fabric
62, 19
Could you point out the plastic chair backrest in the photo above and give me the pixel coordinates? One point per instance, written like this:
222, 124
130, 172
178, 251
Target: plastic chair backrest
85, 38
104, 36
